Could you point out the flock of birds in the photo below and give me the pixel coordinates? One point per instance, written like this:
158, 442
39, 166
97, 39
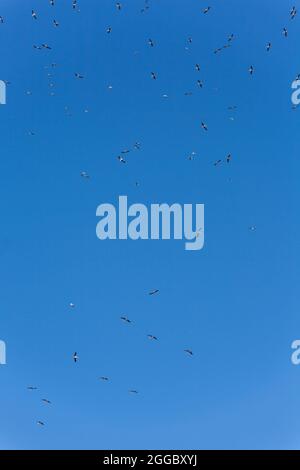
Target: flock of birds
75, 357
136, 146
154, 75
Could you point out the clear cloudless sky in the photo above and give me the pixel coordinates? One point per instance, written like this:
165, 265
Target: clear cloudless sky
234, 303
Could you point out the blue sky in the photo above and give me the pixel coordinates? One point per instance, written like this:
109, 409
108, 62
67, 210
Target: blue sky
234, 303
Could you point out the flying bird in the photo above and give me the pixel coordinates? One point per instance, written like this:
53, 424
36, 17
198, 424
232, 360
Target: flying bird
126, 320
200, 83
109, 30
56, 23
75, 357
74, 4
153, 75
206, 10
228, 158
133, 391
121, 159
151, 43
105, 379
146, 7
46, 46
84, 174
52, 3
118, 6
285, 32
78, 75
192, 156
153, 292
293, 12
251, 70
218, 162
152, 337
31, 388
44, 400
40, 423
189, 351
1, 19
269, 45
197, 67
33, 14
204, 126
